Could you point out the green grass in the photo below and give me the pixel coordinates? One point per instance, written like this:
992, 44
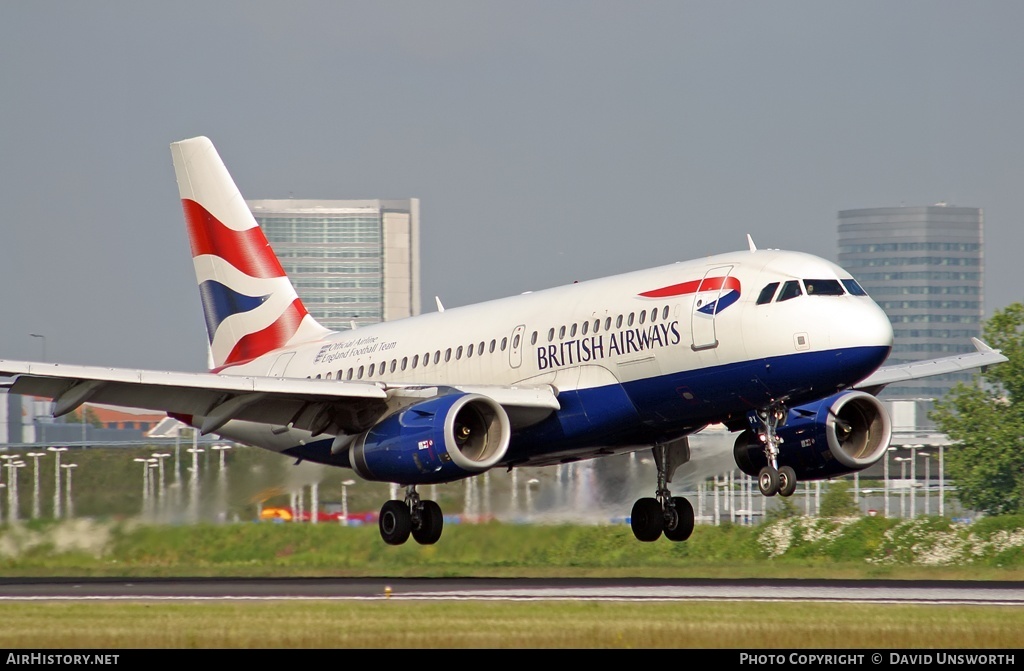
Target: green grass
795, 547
789, 548
396, 623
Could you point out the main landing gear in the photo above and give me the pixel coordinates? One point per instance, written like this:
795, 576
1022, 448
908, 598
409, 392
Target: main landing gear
420, 519
664, 514
773, 480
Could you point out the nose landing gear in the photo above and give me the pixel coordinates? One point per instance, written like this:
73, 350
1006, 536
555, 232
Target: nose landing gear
773, 480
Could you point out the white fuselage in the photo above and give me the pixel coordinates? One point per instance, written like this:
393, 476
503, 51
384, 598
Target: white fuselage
681, 367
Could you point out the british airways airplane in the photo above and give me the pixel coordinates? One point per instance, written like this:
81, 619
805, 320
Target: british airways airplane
782, 348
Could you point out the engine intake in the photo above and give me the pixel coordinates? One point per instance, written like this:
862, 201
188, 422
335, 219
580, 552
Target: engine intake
842, 434
446, 438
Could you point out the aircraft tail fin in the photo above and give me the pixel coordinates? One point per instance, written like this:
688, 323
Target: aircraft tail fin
250, 305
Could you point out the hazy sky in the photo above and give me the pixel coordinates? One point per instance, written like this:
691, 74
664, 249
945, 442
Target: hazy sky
547, 141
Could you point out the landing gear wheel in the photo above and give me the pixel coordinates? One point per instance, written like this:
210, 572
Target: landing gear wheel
680, 523
395, 522
646, 520
787, 481
768, 481
431, 523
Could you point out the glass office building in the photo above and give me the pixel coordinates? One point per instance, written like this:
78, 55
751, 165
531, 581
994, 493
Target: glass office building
352, 262
924, 266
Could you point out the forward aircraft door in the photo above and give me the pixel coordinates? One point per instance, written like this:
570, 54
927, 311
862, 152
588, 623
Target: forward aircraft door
705, 306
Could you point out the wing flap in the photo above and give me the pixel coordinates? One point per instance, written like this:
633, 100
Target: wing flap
311, 404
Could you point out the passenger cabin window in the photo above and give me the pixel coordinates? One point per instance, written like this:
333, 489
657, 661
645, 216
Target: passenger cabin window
372, 368
790, 289
767, 294
854, 288
823, 287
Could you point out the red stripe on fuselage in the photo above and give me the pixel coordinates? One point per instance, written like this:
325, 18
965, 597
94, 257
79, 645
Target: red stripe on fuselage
274, 336
694, 286
247, 250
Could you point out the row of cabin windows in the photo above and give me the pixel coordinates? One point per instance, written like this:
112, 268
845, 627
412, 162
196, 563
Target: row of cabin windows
417, 362
586, 327
405, 363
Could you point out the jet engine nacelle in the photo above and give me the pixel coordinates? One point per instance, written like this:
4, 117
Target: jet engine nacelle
841, 434
446, 438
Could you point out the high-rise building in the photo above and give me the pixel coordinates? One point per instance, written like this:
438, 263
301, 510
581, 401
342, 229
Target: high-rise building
924, 266
352, 262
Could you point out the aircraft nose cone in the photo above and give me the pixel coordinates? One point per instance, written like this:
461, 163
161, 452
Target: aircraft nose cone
876, 327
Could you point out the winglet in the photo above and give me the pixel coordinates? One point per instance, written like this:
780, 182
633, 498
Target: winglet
750, 242
981, 347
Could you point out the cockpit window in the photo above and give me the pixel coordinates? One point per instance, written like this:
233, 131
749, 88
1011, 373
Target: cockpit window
767, 294
790, 289
854, 288
823, 287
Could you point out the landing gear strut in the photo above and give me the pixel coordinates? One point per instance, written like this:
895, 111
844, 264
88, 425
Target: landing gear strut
664, 514
420, 519
773, 480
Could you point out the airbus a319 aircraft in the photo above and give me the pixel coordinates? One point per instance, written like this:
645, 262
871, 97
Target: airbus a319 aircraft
783, 348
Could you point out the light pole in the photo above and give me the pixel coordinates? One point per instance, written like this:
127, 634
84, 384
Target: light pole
942, 482
221, 449
35, 481
12, 482
193, 482
927, 480
70, 504
43, 339
913, 479
903, 484
145, 483
886, 480
344, 500
11, 486
56, 478
162, 489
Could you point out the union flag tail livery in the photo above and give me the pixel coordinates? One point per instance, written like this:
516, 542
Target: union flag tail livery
250, 305
781, 348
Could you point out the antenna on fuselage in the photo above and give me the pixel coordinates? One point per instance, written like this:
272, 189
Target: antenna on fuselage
750, 242
437, 299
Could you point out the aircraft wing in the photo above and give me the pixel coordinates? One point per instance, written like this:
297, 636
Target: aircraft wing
311, 404
984, 356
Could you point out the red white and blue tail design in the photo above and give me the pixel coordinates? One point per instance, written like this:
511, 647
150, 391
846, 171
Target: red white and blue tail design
250, 305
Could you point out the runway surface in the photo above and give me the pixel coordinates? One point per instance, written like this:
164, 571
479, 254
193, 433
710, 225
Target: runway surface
876, 591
